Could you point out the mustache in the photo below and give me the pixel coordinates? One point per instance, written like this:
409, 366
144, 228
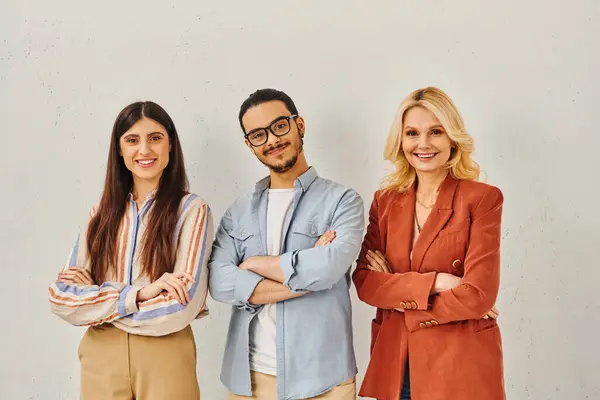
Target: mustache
279, 146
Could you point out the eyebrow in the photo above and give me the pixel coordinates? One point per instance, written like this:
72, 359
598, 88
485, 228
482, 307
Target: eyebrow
270, 123
431, 127
149, 134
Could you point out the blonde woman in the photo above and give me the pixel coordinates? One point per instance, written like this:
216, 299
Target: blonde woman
430, 263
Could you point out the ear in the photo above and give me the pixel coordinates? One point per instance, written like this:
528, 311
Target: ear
250, 146
301, 126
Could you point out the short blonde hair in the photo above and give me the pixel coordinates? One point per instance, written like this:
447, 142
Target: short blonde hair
460, 164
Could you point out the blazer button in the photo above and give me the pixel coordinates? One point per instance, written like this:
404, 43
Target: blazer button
422, 325
434, 322
456, 264
402, 304
414, 305
428, 324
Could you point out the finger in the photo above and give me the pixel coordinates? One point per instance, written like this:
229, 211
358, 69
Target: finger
320, 242
88, 275
83, 275
176, 285
373, 265
181, 289
383, 260
378, 256
327, 238
379, 261
70, 276
171, 291
80, 277
185, 275
374, 269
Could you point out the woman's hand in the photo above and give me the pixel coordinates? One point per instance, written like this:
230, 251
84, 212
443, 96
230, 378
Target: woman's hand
377, 262
444, 281
174, 284
493, 314
75, 275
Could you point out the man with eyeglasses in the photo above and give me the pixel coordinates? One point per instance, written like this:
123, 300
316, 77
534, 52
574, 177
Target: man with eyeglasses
282, 258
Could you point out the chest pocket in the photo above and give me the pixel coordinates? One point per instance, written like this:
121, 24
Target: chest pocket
247, 242
304, 235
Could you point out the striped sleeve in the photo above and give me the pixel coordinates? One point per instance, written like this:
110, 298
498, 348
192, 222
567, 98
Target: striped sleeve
163, 314
86, 305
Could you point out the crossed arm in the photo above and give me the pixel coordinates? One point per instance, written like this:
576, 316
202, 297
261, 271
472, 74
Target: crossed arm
271, 289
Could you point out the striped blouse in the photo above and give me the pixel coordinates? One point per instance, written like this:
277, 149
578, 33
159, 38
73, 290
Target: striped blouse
114, 301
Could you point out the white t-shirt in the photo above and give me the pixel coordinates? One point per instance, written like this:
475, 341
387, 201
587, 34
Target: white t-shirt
263, 353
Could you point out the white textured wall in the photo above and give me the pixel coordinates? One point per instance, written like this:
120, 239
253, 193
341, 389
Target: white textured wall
523, 73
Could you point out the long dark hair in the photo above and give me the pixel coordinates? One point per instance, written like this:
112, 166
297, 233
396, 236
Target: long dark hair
158, 251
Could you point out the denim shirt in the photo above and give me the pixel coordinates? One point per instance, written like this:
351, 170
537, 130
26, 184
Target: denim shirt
314, 332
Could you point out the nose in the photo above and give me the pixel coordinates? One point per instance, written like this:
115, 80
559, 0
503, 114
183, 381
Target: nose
145, 147
272, 140
424, 141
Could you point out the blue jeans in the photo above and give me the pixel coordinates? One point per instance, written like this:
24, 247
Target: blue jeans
405, 393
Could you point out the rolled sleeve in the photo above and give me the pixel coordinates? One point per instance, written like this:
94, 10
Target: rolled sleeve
246, 282
320, 268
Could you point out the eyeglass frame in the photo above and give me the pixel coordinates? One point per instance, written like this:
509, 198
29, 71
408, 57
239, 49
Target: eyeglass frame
269, 129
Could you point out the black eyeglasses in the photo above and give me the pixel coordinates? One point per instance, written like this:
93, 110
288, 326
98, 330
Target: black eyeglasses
280, 127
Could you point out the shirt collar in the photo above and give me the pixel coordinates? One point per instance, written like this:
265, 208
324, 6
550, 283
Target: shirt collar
149, 196
302, 182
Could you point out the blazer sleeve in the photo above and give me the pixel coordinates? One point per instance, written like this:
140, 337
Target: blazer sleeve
481, 281
384, 290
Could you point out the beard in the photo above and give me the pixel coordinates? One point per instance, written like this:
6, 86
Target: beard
285, 164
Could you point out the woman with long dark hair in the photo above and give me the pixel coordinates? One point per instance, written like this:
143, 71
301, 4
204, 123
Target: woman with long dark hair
137, 274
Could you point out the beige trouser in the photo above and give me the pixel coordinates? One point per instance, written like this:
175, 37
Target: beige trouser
116, 365
264, 387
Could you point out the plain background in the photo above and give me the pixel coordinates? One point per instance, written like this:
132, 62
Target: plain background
523, 73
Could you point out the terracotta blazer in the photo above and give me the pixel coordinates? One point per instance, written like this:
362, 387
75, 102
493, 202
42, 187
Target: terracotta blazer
454, 353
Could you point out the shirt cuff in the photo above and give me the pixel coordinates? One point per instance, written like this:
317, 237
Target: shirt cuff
127, 304
244, 286
287, 261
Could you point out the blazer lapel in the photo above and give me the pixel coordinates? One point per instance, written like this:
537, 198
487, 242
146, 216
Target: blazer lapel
400, 230
438, 217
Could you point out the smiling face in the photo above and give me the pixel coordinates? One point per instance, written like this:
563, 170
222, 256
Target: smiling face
279, 153
145, 150
425, 143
